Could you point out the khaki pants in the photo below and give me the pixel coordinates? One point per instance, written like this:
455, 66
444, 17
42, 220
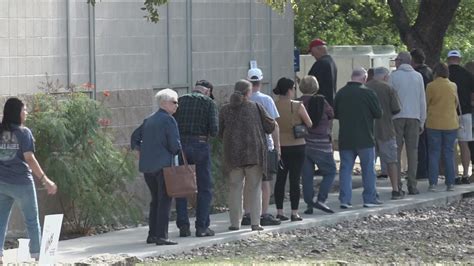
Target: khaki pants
408, 132
253, 191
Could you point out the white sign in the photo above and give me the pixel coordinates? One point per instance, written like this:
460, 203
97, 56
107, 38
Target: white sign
253, 64
50, 239
23, 252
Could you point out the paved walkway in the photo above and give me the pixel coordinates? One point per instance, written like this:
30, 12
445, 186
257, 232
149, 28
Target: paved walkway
132, 241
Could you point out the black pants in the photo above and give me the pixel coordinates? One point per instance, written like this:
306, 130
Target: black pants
160, 205
471, 149
422, 169
292, 158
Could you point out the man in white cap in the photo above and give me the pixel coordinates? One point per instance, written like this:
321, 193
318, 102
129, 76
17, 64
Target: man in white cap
465, 84
255, 76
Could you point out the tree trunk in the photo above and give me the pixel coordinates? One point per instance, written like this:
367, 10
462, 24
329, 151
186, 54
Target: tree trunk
430, 26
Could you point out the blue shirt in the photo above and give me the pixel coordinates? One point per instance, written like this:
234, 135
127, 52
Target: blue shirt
13, 167
271, 109
157, 139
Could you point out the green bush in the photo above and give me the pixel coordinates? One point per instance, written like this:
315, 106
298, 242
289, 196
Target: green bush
75, 147
221, 187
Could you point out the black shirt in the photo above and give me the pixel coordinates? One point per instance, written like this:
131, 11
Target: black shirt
325, 70
425, 72
465, 84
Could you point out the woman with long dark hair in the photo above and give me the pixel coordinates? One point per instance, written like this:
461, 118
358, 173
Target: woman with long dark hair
18, 165
292, 113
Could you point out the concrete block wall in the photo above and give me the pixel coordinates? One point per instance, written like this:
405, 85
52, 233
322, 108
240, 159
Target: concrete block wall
134, 58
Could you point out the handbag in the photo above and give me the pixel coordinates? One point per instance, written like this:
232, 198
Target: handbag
300, 130
272, 161
180, 181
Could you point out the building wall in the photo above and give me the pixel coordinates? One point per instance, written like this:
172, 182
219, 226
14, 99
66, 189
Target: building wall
113, 47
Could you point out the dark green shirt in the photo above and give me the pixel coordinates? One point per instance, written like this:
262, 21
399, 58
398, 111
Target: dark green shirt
196, 115
356, 107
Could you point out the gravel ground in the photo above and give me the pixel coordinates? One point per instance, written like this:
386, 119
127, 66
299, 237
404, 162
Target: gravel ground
428, 235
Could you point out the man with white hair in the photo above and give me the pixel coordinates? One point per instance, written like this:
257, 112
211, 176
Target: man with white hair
197, 122
409, 122
385, 140
356, 107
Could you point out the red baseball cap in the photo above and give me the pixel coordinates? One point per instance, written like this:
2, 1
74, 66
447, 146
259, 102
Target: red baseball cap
316, 42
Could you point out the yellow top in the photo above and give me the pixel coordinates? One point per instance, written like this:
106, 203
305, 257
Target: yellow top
289, 117
442, 102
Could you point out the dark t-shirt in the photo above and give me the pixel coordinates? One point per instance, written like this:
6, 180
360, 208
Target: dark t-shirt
13, 167
465, 84
325, 71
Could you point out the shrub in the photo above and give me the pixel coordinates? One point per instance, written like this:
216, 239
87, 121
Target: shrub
76, 149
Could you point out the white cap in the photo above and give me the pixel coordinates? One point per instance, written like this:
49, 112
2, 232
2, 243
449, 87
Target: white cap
254, 74
454, 53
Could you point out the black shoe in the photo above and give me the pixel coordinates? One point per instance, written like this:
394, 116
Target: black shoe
246, 219
256, 228
413, 191
465, 180
309, 210
318, 172
233, 228
458, 181
151, 239
382, 176
164, 242
268, 219
296, 218
345, 206
184, 231
396, 195
323, 207
204, 232
282, 217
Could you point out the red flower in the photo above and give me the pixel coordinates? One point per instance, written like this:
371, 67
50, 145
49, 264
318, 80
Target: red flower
106, 93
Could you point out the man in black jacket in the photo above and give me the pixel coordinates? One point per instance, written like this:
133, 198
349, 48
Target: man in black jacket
324, 69
418, 63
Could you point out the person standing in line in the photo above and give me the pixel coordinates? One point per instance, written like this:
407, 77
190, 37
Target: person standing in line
469, 66
197, 122
465, 84
409, 123
418, 63
356, 107
255, 77
242, 128
385, 140
18, 165
157, 142
324, 69
319, 148
292, 113
442, 124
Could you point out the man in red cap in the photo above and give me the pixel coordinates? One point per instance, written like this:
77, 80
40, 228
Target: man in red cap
324, 69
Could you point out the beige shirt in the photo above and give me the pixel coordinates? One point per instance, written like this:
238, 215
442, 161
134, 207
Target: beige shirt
289, 117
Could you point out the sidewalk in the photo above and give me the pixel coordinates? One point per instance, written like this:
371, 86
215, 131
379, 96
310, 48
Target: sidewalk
132, 241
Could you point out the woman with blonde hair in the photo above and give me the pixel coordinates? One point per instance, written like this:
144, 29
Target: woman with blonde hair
319, 148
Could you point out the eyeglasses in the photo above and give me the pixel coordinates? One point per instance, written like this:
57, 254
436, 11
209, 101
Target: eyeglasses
175, 102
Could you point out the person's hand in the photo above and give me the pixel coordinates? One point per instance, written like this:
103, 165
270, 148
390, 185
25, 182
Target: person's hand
421, 130
50, 186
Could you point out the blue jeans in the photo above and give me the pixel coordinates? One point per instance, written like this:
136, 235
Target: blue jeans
441, 140
25, 197
197, 152
367, 163
327, 166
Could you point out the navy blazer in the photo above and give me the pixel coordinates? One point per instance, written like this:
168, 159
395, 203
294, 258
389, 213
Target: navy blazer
157, 139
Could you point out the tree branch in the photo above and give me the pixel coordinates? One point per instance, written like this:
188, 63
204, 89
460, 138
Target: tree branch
400, 17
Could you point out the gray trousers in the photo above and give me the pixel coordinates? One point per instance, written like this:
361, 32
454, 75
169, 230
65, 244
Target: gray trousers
408, 133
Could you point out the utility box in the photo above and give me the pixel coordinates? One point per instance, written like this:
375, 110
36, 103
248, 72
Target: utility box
347, 58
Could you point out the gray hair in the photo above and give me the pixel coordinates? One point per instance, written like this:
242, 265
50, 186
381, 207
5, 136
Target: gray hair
165, 95
380, 73
404, 57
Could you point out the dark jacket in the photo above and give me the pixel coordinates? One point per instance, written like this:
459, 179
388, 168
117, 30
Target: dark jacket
325, 71
242, 127
356, 107
465, 83
425, 72
157, 139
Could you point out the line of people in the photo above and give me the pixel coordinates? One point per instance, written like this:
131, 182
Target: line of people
377, 117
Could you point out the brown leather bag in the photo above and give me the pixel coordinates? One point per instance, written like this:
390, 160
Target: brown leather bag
180, 181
